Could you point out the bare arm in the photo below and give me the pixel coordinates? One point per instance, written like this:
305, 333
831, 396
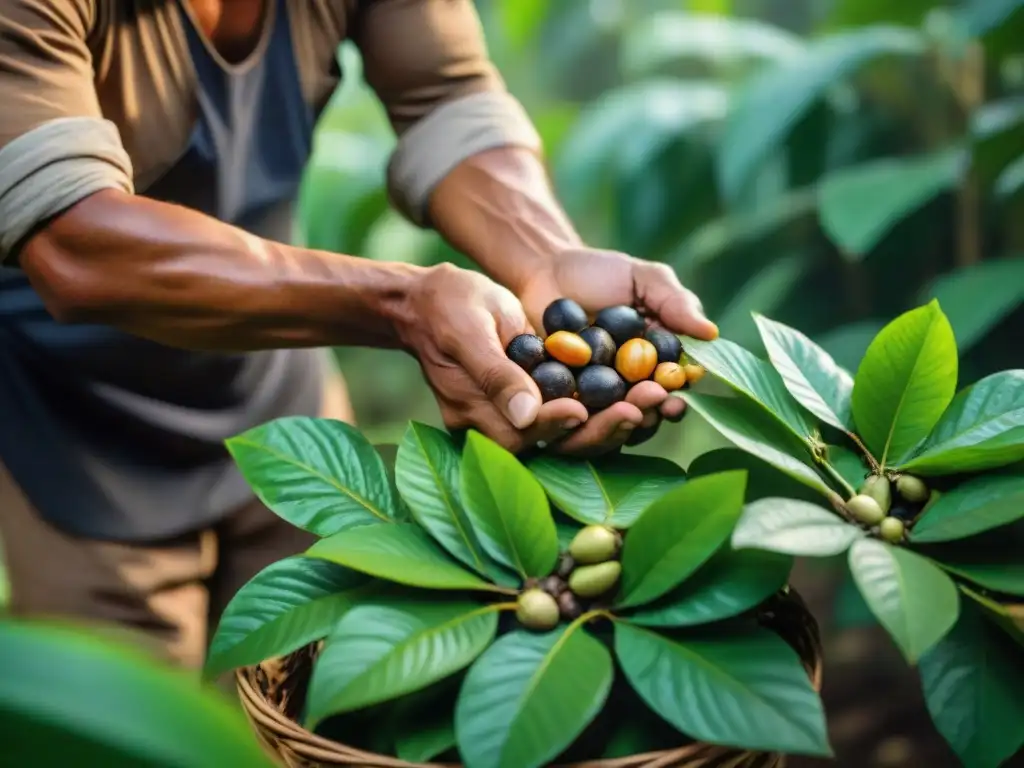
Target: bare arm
184, 279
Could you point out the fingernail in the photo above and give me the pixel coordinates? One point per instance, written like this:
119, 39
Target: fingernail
522, 409
571, 424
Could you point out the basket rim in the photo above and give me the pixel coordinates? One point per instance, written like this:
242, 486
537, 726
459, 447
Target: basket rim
268, 719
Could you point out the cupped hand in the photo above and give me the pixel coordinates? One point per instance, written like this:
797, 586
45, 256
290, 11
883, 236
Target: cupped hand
596, 279
458, 325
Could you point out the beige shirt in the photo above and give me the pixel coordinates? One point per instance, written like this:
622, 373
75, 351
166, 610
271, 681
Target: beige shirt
116, 76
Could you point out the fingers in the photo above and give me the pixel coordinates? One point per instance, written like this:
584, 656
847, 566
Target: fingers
676, 307
673, 409
554, 421
602, 432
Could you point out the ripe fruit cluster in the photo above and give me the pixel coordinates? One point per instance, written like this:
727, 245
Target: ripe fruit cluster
874, 507
597, 364
589, 571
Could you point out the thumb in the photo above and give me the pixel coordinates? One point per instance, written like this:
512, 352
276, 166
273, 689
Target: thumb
504, 383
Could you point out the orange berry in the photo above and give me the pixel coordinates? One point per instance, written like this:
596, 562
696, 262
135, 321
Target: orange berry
694, 373
671, 376
636, 359
568, 348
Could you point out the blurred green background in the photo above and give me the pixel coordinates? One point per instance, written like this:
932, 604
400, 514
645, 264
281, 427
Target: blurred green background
829, 163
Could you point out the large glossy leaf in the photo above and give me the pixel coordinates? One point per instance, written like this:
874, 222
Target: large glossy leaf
508, 508
677, 534
529, 696
794, 528
321, 475
612, 490
670, 37
763, 480
1008, 616
427, 474
67, 695
859, 206
752, 377
285, 606
982, 428
849, 464
809, 373
1000, 575
747, 690
744, 425
731, 582
915, 601
384, 650
977, 298
402, 553
977, 505
775, 101
425, 722
972, 682
905, 381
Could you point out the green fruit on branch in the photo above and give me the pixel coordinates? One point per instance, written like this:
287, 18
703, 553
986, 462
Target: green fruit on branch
564, 315
865, 510
595, 580
536, 609
877, 487
892, 529
554, 381
912, 489
569, 606
594, 544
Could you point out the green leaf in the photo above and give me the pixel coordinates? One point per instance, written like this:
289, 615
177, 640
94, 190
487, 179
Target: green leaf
809, 373
402, 553
68, 695
860, 13
529, 696
425, 722
381, 651
915, 601
744, 425
752, 377
975, 506
745, 690
1007, 616
793, 528
677, 534
848, 464
905, 381
763, 480
321, 475
982, 428
859, 206
508, 508
731, 582
427, 473
972, 682
768, 108
1006, 577
285, 606
613, 490
977, 298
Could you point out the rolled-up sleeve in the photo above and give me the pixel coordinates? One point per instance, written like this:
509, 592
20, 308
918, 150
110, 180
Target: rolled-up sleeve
55, 146
427, 62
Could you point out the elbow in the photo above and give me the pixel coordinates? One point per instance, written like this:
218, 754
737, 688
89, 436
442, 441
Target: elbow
71, 290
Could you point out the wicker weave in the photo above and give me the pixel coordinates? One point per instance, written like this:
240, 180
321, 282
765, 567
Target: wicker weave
272, 694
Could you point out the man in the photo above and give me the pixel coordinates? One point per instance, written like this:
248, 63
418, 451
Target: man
149, 154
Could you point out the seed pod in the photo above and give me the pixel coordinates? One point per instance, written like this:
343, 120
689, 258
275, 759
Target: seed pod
636, 360
865, 509
569, 606
594, 544
595, 580
694, 373
568, 348
536, 609
670, 376
526, 351
564, 315
601, 343
912, 489
670, 349
600, 387
622, 322
891, 529
554, 380
877, 487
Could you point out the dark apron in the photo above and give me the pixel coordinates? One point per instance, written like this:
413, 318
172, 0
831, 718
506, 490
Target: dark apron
116, 437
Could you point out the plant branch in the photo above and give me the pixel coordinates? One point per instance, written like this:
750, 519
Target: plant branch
872, 461
834, 474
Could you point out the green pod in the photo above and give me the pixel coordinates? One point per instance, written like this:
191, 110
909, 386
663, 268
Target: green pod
536, 609
892, 529
594, 544
879, 489
865, 510
912, 489
594, 580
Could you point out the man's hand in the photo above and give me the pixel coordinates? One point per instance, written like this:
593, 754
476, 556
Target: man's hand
597, 279
458, 324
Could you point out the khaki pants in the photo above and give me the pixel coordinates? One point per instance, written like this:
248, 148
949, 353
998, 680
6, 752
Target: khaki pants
172, 592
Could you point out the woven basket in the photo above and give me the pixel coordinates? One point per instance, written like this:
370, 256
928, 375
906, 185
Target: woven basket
273, 692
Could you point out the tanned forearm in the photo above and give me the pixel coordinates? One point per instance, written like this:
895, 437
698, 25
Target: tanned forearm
498, 208
181, 278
